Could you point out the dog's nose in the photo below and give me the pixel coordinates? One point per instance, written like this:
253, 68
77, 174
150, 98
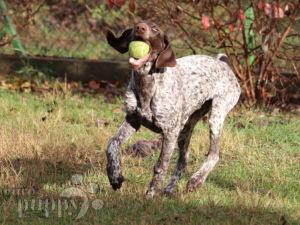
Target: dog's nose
141, 28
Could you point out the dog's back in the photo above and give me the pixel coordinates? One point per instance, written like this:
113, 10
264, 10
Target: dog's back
199, 78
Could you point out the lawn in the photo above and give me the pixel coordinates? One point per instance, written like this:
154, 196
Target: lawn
47, 138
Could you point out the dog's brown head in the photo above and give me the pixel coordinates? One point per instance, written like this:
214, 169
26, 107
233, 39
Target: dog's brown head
160, 52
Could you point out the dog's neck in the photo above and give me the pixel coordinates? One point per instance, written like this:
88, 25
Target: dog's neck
145, 83
144, 69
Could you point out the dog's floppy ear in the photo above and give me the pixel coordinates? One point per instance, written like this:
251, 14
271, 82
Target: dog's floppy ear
120, 44
167, 57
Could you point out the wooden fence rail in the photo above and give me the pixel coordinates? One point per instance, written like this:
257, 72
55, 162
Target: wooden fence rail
74, 69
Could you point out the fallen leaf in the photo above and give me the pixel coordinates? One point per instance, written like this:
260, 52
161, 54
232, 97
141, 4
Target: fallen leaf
93, 58
240, 125
94, 85
117, 119
26, 84
12, 109
101, 122
117, 110
71, 120
116, 84
262, 123
26, 90
50, 110
110, 100
16, 85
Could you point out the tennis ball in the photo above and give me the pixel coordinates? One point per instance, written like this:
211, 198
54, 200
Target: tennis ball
138, 49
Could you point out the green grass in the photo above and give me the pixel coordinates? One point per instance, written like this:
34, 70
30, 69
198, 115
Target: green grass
45, 139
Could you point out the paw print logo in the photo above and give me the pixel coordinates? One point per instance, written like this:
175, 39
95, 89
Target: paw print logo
75, 192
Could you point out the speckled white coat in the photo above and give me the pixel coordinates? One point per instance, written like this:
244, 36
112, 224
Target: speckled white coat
170, 101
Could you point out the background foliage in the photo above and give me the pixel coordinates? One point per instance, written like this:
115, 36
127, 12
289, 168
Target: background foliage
73, 28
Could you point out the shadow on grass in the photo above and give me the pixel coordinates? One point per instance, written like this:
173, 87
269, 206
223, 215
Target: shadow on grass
35, 173
129, 205
135, 209
222, 183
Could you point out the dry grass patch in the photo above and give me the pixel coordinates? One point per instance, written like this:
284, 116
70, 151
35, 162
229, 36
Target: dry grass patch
44, 140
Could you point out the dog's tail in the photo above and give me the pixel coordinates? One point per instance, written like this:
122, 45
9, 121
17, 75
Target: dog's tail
222, 57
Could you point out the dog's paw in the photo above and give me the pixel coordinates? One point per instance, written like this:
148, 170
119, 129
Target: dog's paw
169, 190
193, 184
151, 193
117, 183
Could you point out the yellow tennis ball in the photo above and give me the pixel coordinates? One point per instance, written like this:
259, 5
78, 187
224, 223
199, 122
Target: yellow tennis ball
138, 49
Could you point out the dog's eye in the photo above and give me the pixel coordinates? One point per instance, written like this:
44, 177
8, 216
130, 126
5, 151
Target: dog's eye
154, 29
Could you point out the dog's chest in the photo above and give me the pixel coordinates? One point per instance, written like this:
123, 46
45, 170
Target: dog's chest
158, 103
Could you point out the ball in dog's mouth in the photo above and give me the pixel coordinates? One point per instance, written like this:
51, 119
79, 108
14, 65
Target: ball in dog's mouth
138, 53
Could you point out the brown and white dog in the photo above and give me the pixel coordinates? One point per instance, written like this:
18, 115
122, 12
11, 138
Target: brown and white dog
169, 96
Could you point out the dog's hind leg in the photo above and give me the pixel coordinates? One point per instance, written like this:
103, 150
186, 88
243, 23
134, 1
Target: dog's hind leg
219, 110
183, 145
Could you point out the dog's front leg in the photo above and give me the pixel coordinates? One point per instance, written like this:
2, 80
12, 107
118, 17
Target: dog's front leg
113, 167
161, 166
